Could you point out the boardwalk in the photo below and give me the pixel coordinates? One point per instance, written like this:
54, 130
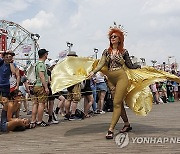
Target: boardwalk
88, 136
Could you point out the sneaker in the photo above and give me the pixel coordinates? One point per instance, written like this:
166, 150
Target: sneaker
102, 112
42, 124
66, 117
97, 112
53, 121
46, 114
73, 117
90, 112
126, 107
56, 110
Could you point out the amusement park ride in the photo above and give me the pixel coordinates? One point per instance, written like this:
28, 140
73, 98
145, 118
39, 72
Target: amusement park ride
17, 39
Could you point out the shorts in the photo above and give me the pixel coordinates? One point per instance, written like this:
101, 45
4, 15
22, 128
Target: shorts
86, 91
23, 91
75, 94
175, 88
51, 97
4, 126
5, 94
40, 95
101, 86
4, 122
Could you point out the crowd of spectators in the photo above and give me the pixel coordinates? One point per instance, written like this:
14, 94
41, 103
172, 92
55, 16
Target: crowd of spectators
36, 100
17, 95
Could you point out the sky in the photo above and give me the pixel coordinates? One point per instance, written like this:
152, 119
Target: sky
153, 26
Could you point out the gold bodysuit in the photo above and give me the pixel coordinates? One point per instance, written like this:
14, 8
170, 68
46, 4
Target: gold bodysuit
117, 77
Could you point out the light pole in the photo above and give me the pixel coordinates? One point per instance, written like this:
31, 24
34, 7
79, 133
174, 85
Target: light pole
153, 62
133, 59
69, 45
164, 66
96, 52
35, 38
143, 61
169, 64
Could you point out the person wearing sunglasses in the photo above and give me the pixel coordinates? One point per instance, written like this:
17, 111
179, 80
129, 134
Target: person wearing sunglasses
10, 120
115, 57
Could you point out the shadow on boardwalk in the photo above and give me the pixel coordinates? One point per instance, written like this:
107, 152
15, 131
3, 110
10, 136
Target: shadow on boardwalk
88, 136
137, 129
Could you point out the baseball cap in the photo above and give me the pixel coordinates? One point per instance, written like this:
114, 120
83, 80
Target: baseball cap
41, 52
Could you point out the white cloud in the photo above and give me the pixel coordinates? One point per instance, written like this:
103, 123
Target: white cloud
153, 26
40, 21
161, 6
12, 6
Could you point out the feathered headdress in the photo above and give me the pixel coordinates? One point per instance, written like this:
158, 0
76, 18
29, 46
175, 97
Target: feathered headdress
118, 27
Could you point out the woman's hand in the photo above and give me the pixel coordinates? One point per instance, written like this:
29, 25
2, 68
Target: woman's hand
90, 75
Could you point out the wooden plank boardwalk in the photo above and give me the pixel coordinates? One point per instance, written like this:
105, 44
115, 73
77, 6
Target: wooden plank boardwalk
88, 136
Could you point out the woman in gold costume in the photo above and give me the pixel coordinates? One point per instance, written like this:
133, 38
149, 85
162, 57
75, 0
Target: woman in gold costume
115, 57
131, 84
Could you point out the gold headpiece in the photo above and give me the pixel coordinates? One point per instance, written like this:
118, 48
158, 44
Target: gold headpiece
119, 27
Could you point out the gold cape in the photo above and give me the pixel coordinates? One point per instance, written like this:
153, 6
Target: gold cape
73, 70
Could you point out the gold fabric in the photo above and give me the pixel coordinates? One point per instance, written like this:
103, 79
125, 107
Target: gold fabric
75, 94
139, 97
70, 71
139, 92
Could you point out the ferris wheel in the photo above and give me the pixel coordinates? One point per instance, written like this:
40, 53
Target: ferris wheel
17, 39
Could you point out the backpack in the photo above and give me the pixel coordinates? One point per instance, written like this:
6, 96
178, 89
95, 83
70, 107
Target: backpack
108, 102
31, 73
79, 114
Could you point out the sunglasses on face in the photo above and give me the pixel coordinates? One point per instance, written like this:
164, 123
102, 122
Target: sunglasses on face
113, 36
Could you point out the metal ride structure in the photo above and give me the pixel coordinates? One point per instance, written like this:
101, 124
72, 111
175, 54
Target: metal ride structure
22, 42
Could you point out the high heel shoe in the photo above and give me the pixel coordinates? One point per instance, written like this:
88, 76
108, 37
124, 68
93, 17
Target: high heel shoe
126, 128
110, 135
